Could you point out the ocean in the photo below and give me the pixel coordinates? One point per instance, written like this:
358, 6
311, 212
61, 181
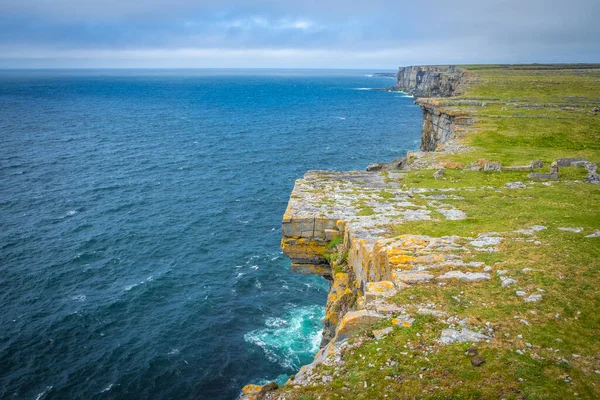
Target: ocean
140, 220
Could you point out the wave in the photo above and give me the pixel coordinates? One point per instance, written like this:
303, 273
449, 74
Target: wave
107, 389
290, 341
43, 394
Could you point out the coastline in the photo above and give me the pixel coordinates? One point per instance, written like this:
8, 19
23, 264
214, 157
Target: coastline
407, 253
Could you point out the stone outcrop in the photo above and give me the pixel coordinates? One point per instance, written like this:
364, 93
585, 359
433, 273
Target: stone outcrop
431, 81
440, 123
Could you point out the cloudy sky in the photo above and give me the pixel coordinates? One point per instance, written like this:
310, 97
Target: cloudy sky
290, 33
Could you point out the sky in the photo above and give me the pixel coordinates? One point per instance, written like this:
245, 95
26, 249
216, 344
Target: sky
374, 34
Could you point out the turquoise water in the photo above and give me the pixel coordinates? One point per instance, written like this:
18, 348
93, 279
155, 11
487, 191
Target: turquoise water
140, 214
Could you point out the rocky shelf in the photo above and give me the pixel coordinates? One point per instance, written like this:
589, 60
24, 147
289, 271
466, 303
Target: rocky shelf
448, 272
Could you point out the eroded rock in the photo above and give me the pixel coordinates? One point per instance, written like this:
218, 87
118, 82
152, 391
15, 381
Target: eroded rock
354, 321
468, 277
464, 335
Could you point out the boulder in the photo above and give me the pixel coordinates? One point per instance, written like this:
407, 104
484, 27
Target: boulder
374, 290
397, 163
375, 167
467, 277
353, 321
567, 162
537, 164
412, 277
464, 335
493, 166
515, 185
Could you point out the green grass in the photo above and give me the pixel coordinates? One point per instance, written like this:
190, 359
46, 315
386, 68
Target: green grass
533, 114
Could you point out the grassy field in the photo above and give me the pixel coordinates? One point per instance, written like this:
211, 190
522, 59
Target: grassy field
533, 113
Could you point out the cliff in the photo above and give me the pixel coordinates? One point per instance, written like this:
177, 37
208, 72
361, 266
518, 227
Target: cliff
431, 81
468, 273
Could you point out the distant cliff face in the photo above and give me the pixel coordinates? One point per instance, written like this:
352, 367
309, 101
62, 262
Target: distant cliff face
433, 81
430, 81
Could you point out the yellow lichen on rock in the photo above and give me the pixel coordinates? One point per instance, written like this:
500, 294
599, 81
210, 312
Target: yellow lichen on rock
354, 321
250, 392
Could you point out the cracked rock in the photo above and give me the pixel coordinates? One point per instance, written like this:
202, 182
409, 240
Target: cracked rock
464, 335
468, 277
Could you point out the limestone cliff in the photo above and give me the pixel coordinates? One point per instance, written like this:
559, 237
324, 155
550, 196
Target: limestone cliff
440, 123
409, 286
431, 81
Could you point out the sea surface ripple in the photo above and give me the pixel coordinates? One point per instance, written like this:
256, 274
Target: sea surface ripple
140, 223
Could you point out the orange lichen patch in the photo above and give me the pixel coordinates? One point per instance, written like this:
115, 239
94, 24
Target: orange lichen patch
355, 320
302, 247
380, 288
453, 165
251, 389
400, 259
429, 259
401, 322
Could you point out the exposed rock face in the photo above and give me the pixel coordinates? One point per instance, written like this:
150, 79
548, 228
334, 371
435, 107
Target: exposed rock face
430, 81
439, 124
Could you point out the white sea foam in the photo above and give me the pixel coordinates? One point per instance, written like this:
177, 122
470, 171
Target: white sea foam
173, 352
369, 75
79, 297
363, 88
291, 340
107, 389
129, 287
273, 322
71, 212
258, 285
44, 393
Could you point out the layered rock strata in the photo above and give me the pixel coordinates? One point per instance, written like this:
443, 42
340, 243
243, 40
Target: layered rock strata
337, 225
340, 225
431, 81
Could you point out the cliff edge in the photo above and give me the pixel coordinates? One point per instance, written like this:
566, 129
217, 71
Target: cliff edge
469, 268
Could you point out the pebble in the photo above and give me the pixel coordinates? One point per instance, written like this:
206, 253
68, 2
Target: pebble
507, 281
533, 298
477, 361
472, 352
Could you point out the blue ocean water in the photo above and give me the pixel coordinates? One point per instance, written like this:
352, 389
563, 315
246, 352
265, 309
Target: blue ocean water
140, 223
